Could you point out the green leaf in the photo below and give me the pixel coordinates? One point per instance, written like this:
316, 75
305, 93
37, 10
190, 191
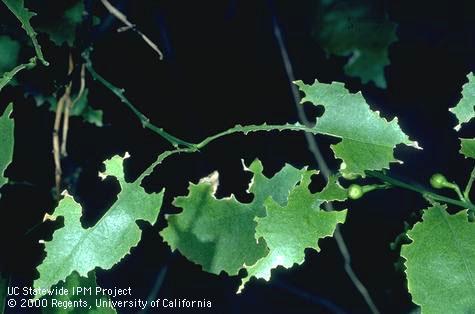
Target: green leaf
218, 234
368, 141
74, 248
468, 147
290, 229
9, 50
77, 303
64, 30
464, 110
440, 262
333, 191
354, 30
6, 142
17, 7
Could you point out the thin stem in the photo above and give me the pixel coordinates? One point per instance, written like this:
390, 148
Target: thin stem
256, 128
468, 188
237, 129
420, 190
143, 119
456, 188
8, 76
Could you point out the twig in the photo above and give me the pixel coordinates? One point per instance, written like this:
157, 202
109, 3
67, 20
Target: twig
121, 16
466, 193
322, 165
57, 124
120, 93
69, 107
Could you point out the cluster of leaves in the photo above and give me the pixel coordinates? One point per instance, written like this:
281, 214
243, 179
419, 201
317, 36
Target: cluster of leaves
441, 257
284, 217
61, 30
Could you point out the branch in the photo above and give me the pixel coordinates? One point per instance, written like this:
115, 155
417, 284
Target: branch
121, 16
143, 119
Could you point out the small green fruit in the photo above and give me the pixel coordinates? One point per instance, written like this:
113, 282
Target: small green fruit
438, 181
355, 191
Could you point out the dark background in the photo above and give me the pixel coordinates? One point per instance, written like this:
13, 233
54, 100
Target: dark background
223, 67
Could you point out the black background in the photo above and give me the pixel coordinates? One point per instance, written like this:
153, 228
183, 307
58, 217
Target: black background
223, 67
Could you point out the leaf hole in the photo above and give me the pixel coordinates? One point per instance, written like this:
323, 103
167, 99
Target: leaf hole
312, 112
317, 184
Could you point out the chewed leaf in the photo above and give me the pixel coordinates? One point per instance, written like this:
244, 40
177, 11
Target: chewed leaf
218, 234
290, 229
6, 142
84, 302
440, 262
17, 7
367, 140
74, 248
333, 191
465, 109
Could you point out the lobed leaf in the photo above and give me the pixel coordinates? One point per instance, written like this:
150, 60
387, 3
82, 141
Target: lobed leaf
333, 191
464, 111
17, 7
368, 141
290, 229
74, 248
218, 234
6, 141
440, 262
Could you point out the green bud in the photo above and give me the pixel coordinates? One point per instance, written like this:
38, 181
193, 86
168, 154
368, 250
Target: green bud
438, 181
355, 191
